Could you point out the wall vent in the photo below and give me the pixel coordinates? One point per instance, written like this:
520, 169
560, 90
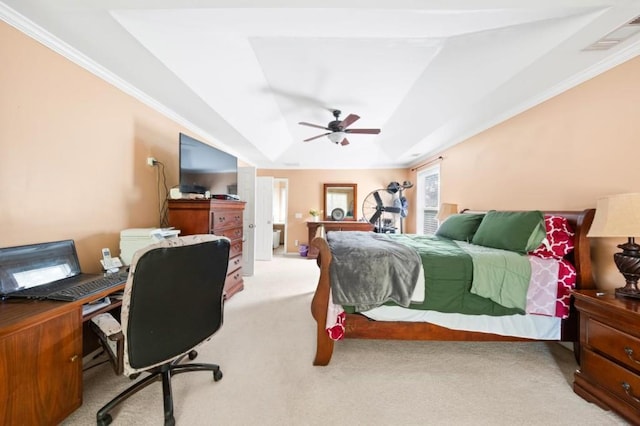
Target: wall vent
617, 36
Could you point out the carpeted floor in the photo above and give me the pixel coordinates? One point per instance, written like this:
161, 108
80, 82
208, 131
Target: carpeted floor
266, 347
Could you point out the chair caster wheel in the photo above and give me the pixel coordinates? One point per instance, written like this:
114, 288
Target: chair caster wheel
192, 355
217, 375
105, 420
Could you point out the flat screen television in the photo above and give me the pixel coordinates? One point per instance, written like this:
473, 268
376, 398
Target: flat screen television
204, 168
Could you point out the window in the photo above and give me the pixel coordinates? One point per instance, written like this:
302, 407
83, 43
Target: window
428, 194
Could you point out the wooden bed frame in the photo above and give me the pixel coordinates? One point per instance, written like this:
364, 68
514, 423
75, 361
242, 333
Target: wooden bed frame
360, 327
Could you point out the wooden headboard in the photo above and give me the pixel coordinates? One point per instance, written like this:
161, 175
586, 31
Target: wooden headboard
581, 255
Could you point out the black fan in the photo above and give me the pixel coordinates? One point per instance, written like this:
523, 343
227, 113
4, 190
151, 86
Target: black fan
338, 128
382, 208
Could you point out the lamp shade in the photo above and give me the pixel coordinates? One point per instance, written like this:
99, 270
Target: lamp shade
617, 216
336, 137
446, 210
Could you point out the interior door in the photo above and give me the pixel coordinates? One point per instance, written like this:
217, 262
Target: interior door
247, 193
264, 218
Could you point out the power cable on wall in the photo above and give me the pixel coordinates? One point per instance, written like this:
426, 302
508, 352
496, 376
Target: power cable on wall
163, 195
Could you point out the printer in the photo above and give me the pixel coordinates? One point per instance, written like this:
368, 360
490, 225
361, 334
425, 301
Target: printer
134, 239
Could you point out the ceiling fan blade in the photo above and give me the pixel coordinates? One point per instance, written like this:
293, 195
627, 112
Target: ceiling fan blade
313, 125
378, 200
315, 137
351, 118
344, 142
367, 131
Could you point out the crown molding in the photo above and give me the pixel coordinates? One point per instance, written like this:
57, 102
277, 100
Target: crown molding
49, 40
606, 64
41, 35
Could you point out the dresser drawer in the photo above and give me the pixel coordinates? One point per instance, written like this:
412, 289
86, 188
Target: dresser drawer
234, 263
225, 219
615, 344
234, 279
236, 248
619, 381
232, 234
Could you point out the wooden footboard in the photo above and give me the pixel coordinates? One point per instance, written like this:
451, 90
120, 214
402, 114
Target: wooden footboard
359, 326
320, 301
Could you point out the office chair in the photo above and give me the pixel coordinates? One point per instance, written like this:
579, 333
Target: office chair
173, 301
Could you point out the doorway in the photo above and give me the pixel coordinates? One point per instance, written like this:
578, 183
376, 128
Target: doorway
280, 208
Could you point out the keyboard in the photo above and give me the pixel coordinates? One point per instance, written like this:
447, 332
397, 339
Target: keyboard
89, 287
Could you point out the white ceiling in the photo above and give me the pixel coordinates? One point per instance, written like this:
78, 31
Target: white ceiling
244, 73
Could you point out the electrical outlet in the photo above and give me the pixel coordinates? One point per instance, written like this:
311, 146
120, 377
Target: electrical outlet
295, 242
151, 161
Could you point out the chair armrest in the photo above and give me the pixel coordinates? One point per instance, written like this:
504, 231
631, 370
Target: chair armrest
107, 324
109, 331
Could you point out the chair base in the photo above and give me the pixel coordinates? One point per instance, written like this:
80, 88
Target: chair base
164, 373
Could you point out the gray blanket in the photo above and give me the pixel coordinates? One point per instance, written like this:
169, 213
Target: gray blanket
369, 269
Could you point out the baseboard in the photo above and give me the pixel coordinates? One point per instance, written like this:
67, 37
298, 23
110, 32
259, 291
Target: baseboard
568, 345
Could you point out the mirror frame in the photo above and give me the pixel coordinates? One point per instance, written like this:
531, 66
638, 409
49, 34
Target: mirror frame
327, 190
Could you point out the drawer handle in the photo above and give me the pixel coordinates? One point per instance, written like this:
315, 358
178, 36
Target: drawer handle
629, 353
627, 389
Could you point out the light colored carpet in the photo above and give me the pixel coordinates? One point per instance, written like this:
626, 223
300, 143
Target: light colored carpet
266, 346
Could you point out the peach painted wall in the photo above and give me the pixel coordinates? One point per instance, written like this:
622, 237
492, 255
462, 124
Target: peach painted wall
563, 154
306, 186
73, 152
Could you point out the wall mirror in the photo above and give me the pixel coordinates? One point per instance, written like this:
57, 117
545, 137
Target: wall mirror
340, 201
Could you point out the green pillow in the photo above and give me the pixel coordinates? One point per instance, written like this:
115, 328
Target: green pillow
515, 231
460, 227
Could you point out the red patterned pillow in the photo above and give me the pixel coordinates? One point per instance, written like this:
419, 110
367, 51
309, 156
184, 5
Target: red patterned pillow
559, 240
566, 283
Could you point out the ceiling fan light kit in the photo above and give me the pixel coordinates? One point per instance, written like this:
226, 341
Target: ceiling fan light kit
338, 129
336, 137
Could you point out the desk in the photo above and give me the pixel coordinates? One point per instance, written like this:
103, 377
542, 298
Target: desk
41, 349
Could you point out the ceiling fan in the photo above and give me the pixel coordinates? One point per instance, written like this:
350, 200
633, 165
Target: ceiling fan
338, 128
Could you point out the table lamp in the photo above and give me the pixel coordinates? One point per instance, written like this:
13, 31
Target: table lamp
619, 216
446, 210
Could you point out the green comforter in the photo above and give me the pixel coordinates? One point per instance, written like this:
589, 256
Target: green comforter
448, 273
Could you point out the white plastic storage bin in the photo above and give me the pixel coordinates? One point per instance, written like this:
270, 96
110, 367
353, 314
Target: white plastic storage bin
276, 238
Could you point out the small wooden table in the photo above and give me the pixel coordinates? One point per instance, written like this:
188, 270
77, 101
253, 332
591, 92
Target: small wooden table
609, 373
333, 225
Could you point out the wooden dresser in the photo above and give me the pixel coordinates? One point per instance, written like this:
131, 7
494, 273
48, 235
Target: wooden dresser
609, 373
219, 217
331, 225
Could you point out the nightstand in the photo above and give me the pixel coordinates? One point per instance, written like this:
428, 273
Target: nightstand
609, 373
